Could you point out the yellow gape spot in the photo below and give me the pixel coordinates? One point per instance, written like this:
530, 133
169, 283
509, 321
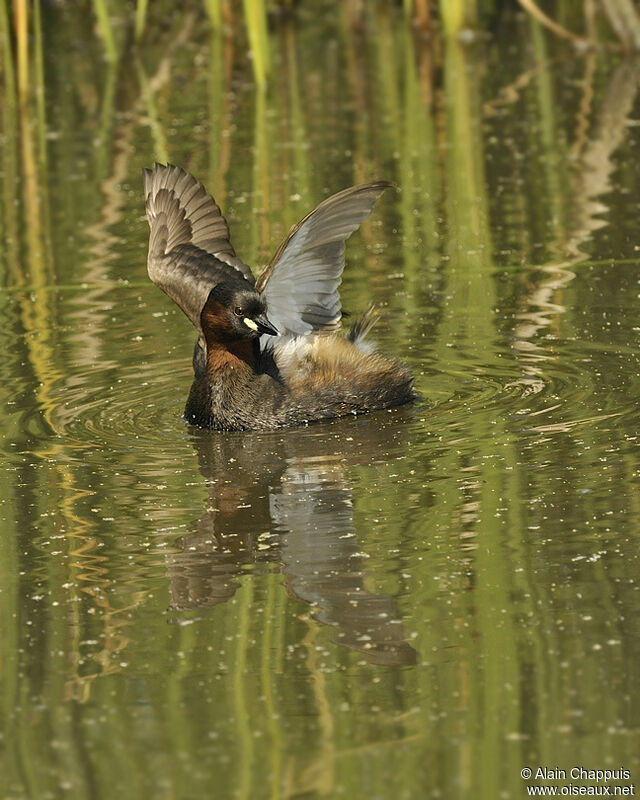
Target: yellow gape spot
250, 324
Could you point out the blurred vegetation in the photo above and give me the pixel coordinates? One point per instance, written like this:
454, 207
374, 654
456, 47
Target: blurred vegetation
588, 23
577, 21
118, 23
505, 153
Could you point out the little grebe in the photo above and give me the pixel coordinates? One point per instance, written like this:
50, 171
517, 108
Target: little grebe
304, 369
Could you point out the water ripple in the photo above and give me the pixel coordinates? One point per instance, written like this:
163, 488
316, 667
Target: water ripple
144, 403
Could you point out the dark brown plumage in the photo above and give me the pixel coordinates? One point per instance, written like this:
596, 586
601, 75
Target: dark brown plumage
253, 371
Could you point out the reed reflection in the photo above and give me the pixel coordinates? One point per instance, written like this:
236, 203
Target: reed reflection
594, 166
286, 498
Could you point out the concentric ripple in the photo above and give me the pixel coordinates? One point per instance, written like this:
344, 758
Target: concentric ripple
550, 388
144, 403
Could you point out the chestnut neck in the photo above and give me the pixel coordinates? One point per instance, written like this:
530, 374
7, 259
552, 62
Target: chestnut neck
224, 346
238, 353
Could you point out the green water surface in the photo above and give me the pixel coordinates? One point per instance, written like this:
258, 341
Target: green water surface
414, 604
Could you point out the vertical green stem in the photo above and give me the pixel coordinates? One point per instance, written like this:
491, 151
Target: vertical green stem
245, 762
104, 24
456, 15
39, 77
21, 25
159, 138
214, 12
256, 21
268, 682
141, 18
8, 220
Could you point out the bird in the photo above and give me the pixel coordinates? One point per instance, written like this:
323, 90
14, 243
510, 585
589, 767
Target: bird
270, 352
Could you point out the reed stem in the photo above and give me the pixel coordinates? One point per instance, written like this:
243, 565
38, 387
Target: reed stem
21, 27
256, 22
456, 15
141, 18
214, 13
104, 24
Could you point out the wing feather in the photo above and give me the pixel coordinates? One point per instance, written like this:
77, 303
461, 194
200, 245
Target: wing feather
189, 247
300, 284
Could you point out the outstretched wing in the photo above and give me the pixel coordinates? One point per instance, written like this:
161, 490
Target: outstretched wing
189, 247
300, 285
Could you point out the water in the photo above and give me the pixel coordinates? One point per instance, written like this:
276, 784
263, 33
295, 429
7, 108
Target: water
418, 603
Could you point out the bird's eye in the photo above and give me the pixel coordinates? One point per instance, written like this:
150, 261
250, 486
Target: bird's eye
239, 312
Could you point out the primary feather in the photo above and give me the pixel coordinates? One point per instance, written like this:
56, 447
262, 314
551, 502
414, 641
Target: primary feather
301, 282
189, 247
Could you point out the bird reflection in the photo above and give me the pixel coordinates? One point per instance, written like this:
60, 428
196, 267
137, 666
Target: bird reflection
285, 497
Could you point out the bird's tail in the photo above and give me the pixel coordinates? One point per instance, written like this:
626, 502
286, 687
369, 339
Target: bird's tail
361, 327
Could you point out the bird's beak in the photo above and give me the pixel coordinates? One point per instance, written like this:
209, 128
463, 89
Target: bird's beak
264, 326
